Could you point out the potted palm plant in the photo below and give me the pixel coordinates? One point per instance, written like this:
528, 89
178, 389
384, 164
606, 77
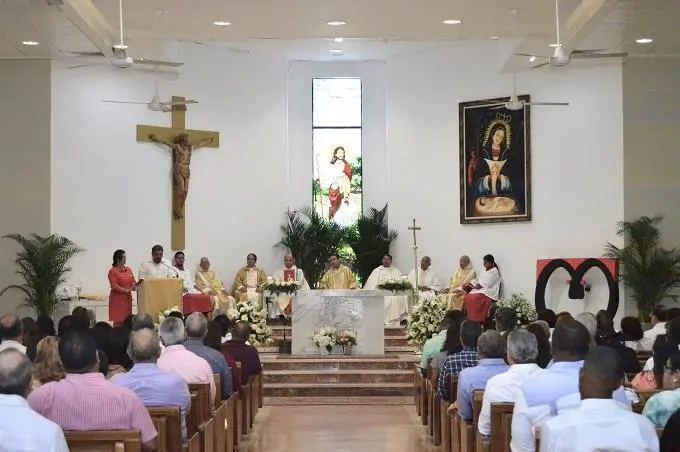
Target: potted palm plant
649, 271
370, 240
42, 263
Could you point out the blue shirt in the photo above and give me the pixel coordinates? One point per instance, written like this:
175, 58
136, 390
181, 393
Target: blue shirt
452, 366
22, 429
217, 362
545, 395
474, 378
156, 387
431, 348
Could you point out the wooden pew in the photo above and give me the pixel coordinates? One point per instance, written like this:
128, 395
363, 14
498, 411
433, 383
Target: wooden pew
231, 424
482, 444
206, 432
193, 445
254, 397
218, 385
202, 414
260, 377
204, 404
104, 441
220, 436
424, 401
167, 421
501, 426
445, 418
193, 415
416, 387
238, 433
244, 396
468, 431
434, 406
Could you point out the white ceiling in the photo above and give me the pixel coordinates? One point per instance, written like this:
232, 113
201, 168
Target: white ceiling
298, 28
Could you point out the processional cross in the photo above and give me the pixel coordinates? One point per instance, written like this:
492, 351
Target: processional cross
177, 138
415, 229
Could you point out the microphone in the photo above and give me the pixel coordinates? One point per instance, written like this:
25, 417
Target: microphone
163, 262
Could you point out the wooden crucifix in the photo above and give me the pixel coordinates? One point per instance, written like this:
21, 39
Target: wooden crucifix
415, 229
182, 142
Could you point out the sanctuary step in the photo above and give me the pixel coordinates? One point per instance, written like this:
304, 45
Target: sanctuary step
333, 379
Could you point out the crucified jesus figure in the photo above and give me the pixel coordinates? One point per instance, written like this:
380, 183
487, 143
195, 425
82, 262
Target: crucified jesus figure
181, 160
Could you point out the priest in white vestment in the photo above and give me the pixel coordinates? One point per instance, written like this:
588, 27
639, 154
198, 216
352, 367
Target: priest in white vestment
396, 307
428, 280
282, 304
157, 267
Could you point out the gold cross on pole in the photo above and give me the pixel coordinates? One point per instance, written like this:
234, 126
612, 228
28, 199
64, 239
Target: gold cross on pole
415, 229
181, 142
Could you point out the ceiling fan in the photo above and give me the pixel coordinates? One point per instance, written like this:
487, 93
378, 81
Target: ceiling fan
120, 58
155, 104
514, 103
562, 56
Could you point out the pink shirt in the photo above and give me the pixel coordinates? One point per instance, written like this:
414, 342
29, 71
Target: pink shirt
84, 402
191, 367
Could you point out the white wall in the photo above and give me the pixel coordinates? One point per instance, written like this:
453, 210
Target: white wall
577, 162
25, 162
109, 192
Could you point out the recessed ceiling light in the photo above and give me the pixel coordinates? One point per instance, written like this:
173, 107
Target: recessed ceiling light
532, 59
221, 23
554, 45
338, 39
452, 21
494, 37
30, 43
335, 23
644, 40
336, 51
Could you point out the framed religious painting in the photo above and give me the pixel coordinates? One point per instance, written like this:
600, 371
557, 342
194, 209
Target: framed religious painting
495, 162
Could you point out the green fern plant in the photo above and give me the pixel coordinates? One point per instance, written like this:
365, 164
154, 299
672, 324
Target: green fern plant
370, 239
42, 263
649, 271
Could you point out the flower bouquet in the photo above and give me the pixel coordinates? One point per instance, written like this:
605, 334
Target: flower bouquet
395, 285
347, 339
164, 314
261, 333
521, 305
425, 319
279, 287
325, 339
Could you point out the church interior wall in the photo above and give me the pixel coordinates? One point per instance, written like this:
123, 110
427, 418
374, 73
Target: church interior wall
25, 167
651, 122
576, 164
109, 192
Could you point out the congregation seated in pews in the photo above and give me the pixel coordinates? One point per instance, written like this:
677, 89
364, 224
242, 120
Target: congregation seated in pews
173, 394
582, 400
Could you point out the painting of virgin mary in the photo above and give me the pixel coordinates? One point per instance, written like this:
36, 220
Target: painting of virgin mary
494, 162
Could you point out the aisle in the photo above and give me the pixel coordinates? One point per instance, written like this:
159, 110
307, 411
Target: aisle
336, 428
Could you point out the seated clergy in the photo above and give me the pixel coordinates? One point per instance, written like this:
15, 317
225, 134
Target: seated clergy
396, 307
185, 274
85, 400
207, 281
463, 275
176, 358
22, 429
157, 267
599, 422
521, 351
338, 276
281, 305
248, 281
428, 280
153, 386
484, 291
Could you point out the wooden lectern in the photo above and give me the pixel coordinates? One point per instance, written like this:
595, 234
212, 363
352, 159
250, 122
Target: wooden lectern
158, 294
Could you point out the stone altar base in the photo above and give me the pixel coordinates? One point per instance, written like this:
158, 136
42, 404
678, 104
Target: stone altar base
339, 380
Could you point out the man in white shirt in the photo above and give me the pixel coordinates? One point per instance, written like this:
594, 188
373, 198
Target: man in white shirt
11, 333
184, 273
428, 280
522, 351
599, 422
157, 267
21, 428
658, 321
396, 307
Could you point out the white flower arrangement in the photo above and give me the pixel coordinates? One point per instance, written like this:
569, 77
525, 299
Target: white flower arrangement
261, 333
425, 319
396, 285
278, 287
326, 338
526, 313
164, 314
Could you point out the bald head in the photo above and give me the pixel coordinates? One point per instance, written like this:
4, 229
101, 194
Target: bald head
241, 331
288, 261
464, 261
141, 321
11, 327
15, 373
144, 346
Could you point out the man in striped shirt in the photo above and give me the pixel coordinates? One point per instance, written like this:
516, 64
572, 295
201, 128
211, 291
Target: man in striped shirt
85, 400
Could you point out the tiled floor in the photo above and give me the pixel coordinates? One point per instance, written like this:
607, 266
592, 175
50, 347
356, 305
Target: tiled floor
337, 428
